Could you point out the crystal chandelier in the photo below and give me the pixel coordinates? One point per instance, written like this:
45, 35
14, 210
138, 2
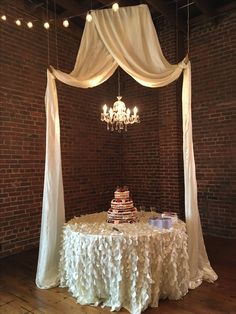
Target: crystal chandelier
118, 117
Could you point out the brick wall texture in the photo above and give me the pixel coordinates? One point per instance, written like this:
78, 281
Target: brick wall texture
148, 158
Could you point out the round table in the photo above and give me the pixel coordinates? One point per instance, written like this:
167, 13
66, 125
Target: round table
125, 265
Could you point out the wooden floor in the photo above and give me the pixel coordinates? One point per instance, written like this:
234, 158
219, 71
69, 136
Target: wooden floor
18, 293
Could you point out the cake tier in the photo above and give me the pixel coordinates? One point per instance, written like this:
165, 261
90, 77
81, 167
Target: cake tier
122, 205
121, 195
122, 216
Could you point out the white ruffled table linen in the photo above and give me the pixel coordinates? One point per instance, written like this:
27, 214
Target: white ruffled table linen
125, 265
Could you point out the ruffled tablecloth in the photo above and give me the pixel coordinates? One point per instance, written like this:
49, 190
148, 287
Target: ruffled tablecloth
125, 265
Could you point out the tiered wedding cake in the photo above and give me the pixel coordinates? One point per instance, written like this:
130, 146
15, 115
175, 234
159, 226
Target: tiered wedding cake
122, 207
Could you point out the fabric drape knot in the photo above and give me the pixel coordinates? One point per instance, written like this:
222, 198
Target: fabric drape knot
184, 63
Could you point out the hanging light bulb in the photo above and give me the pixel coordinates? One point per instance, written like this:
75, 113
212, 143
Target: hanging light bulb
115, 7
3, 17
18, 22
30, 24
66, 23
46, 25
89, 17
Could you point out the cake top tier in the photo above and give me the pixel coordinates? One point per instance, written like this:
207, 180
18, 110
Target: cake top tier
121, 193
122, 188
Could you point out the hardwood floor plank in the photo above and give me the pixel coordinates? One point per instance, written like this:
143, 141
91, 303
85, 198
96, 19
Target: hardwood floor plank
20, 306
9, 308
19, 294
6, 298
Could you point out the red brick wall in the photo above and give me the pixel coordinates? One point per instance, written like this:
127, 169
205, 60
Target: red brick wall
153, 166
141, 165
212, 51
152, 150
90, 155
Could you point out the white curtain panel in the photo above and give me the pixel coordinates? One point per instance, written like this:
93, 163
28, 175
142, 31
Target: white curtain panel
200, 268
128, 39
53, 212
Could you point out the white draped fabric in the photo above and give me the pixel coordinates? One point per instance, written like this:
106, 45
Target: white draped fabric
126, 38
53, 214
200, 268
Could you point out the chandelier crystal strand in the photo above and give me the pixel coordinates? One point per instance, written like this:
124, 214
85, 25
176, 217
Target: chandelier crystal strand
119, 117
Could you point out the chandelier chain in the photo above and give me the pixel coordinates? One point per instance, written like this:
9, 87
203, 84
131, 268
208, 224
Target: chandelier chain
118, 73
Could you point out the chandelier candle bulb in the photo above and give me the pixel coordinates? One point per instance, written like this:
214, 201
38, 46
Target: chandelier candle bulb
3, 17
135, 111
105, 109
128, 113
111, 112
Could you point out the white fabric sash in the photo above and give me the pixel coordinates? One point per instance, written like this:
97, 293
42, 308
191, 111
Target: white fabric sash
53, 212
126, 38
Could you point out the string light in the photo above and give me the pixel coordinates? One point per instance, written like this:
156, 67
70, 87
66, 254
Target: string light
18, 22
66, 23
89, 17
115, 7
30, 24
46, 25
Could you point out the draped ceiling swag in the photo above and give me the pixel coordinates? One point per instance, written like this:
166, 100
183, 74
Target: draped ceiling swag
128, 39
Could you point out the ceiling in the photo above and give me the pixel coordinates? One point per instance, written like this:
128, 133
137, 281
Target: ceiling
77, 9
